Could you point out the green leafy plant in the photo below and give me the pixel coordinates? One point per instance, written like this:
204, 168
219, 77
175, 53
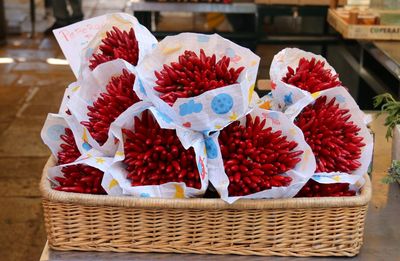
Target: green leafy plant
394, 173
392, 108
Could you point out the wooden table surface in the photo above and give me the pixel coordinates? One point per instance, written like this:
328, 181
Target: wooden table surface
390, 48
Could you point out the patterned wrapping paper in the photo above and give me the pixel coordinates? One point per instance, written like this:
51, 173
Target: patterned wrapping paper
80, 40
285, 94
53, 128
87, 91
213, 109
115, 181
69, 91
195, 119
300, 174
345, 101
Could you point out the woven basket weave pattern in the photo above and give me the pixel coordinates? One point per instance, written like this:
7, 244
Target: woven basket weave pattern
289, 227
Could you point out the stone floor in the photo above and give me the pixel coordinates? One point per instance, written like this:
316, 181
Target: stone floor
27, 94
29, 89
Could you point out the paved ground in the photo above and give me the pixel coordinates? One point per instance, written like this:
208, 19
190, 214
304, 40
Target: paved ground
27, 93
29, 89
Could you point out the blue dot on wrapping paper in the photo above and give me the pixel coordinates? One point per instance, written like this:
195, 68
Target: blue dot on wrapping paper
230, 52
340, 98
316, 177
211, 148
203, 38
165, 118
144, 195
141, 87
270, 94
199, 167
86, 146
89, 53
190, 107
273, 115
288, 99
54, 132
153, 45
222, 103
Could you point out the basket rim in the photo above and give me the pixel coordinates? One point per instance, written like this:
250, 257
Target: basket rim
197, 203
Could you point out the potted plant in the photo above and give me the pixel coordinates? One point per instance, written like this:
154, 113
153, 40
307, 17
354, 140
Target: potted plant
390, 106
393, 173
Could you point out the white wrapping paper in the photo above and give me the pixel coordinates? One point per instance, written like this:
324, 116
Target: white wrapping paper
90, 89
300, 174
80, 40
69, 91
355, 182
92, 158
213, 109
117, 173
285, 94
53, 128
345, 101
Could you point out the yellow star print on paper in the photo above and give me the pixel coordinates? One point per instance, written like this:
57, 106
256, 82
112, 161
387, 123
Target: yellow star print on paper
170, 50
89, 155
75, 88
252, 63
336, 178
315, 95
306, 156
251, 91
266, 105
103, 35
233, 117
119, 153
100, 160
179, 191
292, 132
84, 136
113, 183
218, 127
120, 20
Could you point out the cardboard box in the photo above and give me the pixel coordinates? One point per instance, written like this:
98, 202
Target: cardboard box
369, 32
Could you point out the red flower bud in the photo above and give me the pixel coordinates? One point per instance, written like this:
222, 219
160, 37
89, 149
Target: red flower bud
311, 76
119, 97
315, 189
260, 165
76, 178
334, 139
81, 178
160, 161
69, 151
193, 75
117, 44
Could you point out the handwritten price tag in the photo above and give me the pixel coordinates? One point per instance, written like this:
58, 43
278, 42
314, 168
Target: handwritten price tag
74, 38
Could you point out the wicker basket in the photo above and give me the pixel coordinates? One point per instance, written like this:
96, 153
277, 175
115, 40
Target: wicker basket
282, 227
